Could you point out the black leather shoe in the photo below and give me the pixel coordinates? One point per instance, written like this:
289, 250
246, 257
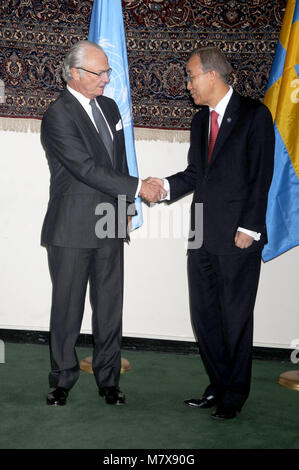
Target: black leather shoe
202, 402
57, 396
113, 395
225, 412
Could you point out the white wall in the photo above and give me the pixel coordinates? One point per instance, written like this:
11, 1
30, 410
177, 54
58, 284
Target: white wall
156, 296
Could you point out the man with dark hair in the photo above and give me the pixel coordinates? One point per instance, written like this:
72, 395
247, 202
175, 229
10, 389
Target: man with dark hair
83, 137
230, 171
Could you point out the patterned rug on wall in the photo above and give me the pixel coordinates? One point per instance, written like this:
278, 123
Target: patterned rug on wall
36, 34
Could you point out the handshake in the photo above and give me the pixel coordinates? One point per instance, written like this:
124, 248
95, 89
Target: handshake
152, 189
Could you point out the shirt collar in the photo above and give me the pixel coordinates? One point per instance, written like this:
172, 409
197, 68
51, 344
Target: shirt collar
81, 98
221, 106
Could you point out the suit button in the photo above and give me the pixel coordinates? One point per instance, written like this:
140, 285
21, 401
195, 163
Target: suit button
207, 177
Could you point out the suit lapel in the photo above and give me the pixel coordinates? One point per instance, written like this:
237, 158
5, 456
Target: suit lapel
205, 138
85, 122
229, 121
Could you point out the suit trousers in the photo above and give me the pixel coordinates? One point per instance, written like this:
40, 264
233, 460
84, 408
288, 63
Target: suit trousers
71, 269
222, 291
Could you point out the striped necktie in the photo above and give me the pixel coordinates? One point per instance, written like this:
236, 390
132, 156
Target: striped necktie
102, 128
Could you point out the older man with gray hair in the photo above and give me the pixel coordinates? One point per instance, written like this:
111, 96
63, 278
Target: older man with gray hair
83, 138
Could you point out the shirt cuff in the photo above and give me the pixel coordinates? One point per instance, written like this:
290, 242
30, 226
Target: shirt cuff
138, 188
252, 234
167, 189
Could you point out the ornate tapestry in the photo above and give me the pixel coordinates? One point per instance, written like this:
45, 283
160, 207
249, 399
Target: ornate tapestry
36, 34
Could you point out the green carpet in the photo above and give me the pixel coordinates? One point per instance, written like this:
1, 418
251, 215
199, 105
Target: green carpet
154, 417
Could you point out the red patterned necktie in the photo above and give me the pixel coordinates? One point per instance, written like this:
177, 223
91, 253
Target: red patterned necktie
214, 128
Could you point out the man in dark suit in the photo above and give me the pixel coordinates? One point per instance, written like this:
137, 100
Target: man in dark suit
83, 139
230, 171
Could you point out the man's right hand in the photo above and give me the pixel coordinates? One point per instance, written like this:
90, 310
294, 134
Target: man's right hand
155, 181
152, 191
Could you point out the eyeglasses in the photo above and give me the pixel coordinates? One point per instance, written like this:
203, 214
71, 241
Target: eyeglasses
190, 79
98, 74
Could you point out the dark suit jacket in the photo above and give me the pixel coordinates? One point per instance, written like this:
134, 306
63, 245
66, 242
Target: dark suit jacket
82, 174
234, 186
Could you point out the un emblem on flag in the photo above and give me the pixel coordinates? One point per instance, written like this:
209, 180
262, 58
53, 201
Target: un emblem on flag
2, 92
118, 87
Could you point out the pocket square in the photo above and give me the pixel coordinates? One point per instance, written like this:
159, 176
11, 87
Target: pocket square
119, 126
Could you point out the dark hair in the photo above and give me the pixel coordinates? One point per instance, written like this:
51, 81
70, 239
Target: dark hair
213, 58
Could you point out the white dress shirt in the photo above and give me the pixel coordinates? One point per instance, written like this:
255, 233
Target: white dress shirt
220, 109
85, 103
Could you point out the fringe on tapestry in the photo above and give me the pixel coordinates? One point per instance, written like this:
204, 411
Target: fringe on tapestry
141, 133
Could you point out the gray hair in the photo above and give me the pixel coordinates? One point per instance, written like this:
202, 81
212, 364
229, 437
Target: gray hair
213, 58
75, 57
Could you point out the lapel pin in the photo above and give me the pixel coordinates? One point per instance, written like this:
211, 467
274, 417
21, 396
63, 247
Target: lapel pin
229, 119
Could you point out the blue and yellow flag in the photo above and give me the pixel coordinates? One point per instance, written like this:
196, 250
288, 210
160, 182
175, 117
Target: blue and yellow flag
107, 30
282, 98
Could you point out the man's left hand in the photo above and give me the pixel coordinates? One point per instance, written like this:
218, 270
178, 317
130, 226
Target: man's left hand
242, 240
